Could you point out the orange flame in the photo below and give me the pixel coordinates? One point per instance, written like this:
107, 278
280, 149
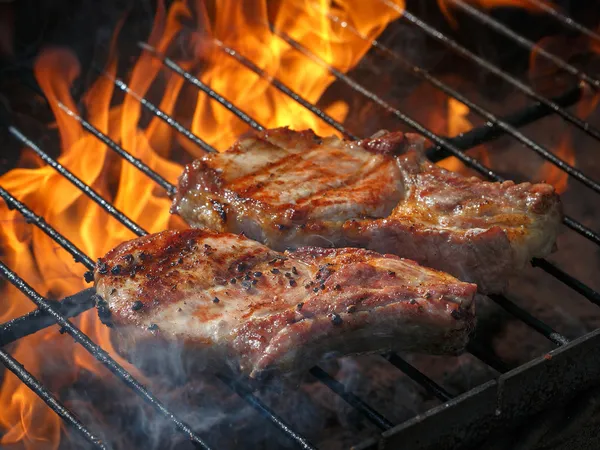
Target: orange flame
24, 418
446, 7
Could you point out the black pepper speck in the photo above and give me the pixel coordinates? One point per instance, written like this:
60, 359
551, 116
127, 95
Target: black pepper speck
88, 276
258, 274
216, 300
294, 270
316, 289
337, 287
137, 305
233, 281
336, 319
299, 306
115, 270
153, 327
292, 282
351, 308
275, 271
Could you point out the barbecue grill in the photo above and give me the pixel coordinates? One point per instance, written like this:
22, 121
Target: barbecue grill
556, 388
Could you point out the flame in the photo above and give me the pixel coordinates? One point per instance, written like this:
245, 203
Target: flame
446, 6
25, 420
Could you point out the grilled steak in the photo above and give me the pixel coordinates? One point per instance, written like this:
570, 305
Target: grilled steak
289, 189
231, 298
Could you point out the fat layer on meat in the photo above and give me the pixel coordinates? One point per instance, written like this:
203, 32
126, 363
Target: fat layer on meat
225, 297
290, 189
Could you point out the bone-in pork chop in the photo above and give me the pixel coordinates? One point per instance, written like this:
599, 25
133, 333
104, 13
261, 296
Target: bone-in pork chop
230, 298
290, 189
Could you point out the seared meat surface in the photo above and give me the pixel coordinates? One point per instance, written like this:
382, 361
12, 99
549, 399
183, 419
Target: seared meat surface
231, 298
290, 189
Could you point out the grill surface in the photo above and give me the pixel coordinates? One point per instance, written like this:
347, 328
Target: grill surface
518, 393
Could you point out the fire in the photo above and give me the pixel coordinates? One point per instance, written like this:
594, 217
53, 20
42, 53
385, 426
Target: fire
447, 6
24, 419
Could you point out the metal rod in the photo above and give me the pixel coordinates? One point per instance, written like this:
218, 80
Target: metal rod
37, 320
285, 89
488, 132
533, 322
479, 110
202, 86
567, 279
444, 143
374, 417
243, 391
412, 372
467, 54
98, 353
136, 162
160, 114
524, 42
564, 19
53, 403
487, 358
83, 187
38, 221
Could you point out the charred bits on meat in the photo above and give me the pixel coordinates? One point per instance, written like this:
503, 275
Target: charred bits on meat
102, 267
458, 313
337, 287
293, 282
137, 305
104, 312
294, 270
275, 271
335, 319
299, 306
128, 258
258, 274
241, 267
233, 281
116, 270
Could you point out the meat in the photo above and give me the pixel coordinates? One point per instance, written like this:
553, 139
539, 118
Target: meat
229, 298
290, 189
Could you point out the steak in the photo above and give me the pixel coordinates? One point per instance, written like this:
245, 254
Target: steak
225, 297
290, 189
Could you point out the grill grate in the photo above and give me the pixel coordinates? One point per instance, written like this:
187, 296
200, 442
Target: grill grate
48, 313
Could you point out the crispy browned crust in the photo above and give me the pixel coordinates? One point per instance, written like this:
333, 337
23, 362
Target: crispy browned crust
288, 189
284, 310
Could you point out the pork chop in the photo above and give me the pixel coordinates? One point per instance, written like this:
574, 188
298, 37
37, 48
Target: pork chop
230, 298
290, 189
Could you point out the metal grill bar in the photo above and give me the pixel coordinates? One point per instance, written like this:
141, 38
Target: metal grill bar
524, 42
482, 112
416, 375
160, 114
136, 162
37, 320
286, 90
87, 190
565, 20
98, 353
533, 322
471, 162
265, 411
337, 387
488, 358
38, 221
202, 86
467, 54
53, 403
569, 280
